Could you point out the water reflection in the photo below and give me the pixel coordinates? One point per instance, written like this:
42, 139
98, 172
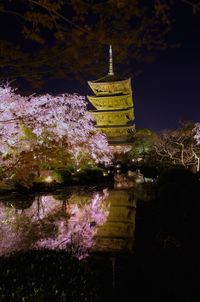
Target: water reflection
46, 223
81, 222
116, 235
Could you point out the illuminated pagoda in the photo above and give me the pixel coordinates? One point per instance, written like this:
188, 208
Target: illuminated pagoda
113, 113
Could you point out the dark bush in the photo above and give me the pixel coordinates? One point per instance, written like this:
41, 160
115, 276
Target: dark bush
62, 175
148, 171
82, 176
94, 172
90, 175
45, 276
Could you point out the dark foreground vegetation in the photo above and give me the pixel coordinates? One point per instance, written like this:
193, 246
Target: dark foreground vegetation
45, 276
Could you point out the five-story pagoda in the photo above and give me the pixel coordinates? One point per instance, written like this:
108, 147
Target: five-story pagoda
113, 103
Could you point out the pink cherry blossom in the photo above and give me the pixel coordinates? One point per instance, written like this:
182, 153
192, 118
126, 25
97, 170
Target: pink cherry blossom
197, 133
63, 116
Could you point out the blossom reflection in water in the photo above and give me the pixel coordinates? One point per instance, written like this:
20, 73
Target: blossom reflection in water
47, 224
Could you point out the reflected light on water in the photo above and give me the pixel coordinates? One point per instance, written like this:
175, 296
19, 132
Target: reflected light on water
46, 225
48, 179
123, 181
80, 222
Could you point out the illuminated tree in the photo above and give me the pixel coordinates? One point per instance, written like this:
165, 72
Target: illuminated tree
13, 111
197, 133
143, 143
179, 147
196, 152
49, 130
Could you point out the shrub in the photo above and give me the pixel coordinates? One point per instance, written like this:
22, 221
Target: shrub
46, 276
61, 175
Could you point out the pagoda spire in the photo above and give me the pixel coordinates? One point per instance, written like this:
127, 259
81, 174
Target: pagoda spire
110, 62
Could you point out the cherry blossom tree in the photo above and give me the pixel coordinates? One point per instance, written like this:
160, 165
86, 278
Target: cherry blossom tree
197, 133
13, 111
37, 124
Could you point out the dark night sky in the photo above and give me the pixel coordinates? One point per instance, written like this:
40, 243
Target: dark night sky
167, 90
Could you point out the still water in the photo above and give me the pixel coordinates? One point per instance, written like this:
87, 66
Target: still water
82, 220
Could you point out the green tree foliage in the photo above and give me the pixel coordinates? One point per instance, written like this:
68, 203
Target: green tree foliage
143, 144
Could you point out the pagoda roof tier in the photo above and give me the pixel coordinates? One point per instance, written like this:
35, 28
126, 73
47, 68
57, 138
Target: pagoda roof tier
118, 126
109, 78
113, 110
111, 102
111, 88
118, 133
116, 117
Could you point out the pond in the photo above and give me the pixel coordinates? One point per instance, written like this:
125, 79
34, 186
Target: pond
81, 220
86, 243
66, 245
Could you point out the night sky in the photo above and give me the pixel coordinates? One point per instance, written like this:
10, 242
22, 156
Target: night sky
167, 90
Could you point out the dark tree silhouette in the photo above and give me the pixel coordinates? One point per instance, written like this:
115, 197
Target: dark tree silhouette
44, 38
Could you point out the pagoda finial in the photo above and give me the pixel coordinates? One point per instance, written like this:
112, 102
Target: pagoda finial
110, 62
